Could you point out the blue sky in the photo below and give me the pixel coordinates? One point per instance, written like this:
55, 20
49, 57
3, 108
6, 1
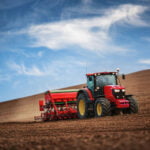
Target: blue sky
50, 44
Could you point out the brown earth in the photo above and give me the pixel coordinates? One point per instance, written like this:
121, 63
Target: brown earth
113, 132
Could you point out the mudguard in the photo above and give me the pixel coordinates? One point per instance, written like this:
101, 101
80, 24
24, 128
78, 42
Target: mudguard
88, 94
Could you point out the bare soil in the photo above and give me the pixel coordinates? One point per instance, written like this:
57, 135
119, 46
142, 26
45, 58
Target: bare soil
131, 132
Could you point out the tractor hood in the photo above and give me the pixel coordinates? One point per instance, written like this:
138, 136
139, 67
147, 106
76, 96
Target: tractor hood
111, 90
116, 94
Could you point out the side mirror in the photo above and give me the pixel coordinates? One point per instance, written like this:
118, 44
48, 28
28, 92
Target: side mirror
123, 77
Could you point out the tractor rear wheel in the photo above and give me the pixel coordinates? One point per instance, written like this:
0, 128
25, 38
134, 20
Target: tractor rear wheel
102, 107
133, 108
82, 106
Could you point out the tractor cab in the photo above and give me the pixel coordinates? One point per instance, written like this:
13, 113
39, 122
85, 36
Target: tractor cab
97, 81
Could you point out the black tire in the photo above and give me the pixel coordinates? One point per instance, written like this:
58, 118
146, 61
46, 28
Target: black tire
133, 108
102, 107
82, 106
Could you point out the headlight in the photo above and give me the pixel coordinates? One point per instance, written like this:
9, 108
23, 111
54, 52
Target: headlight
123, 90
116, 90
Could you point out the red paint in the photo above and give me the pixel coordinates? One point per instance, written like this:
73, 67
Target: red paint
108, 91
41, 104
98, 73
120, 103
60, 97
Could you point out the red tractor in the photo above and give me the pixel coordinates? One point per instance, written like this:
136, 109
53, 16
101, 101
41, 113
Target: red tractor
103, 96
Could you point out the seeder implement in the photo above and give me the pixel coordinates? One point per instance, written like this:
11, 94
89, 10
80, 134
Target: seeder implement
60, 104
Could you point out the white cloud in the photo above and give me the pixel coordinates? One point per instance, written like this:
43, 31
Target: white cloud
91, 34
50, 69
145, 61
127, 14
28, 54
23, 70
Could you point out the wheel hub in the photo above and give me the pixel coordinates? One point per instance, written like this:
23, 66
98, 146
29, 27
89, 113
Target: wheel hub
82, 107
99, 109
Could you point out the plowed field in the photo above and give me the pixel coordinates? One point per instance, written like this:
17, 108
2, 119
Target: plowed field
18, 131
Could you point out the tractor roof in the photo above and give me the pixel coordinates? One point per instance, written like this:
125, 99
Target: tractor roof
100, 73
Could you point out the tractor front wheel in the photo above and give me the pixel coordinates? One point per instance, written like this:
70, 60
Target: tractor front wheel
133, 108
102, 107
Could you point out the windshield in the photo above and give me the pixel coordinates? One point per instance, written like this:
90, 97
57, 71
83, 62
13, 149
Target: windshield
103, 80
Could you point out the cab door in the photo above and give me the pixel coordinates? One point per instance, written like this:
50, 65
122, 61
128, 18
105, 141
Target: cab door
99, 86
90, 83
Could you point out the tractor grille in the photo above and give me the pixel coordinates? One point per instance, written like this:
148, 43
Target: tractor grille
119, 95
